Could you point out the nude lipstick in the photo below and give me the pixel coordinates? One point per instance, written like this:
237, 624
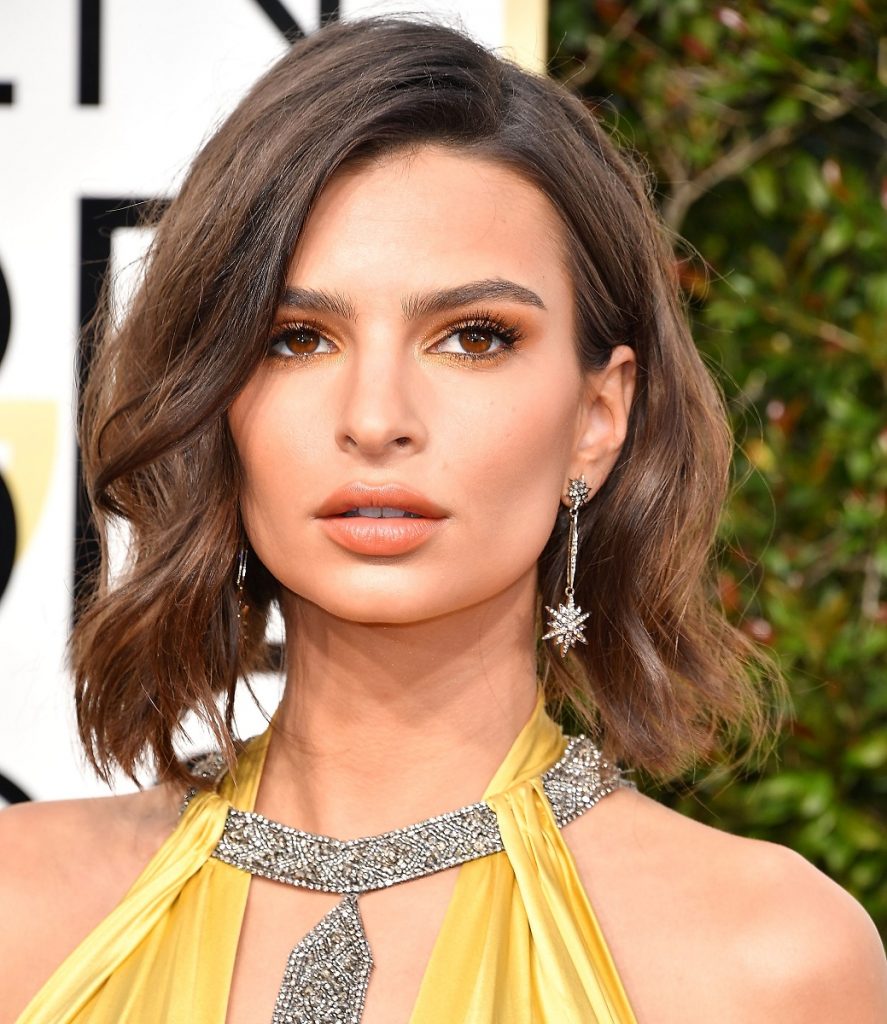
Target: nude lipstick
381, 520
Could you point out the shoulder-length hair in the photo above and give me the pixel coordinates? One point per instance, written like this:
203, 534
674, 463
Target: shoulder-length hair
664, 680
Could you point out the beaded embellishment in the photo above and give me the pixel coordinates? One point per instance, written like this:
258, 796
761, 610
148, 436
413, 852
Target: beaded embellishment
328, 972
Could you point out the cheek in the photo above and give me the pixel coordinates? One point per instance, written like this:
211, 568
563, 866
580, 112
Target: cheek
274, 442
523, 469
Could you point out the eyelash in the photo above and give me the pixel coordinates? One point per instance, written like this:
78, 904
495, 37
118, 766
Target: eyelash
481, 320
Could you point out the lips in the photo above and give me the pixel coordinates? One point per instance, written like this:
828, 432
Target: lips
387, 497
377, 529
374, 512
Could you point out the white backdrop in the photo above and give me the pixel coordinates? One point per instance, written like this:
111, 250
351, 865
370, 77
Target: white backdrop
100, 103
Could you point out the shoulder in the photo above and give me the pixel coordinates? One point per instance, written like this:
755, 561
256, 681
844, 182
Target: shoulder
64, 866
707, 925
806, 949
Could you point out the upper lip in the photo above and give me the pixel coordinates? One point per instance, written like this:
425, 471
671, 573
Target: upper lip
361, 495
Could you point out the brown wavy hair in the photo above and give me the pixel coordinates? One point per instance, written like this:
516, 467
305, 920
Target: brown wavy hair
664, 680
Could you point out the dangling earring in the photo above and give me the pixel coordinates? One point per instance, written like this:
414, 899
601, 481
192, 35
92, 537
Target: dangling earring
565, 625
239, 582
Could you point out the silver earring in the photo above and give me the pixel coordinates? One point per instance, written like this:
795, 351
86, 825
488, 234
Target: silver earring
239, 581
565, 625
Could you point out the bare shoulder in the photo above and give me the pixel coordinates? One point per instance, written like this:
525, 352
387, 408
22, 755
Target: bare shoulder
704, 925
64, 866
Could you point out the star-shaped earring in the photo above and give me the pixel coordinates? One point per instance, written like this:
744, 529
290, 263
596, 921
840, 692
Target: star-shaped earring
565, 625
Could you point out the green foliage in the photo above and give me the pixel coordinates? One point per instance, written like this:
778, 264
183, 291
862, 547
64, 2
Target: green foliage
764, 125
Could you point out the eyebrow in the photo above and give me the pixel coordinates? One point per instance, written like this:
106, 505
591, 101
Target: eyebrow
416, 305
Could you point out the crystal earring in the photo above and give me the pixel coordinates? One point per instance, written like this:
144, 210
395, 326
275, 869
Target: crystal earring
565, 625
239, 582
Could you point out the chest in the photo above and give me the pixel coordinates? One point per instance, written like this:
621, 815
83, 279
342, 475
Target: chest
401, 926
308, 954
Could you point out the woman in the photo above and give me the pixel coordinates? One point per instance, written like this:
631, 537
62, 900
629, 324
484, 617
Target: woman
408, 362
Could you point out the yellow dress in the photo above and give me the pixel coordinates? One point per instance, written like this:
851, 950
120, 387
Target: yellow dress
519, 942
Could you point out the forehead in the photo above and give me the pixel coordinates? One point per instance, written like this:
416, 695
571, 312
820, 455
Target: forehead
421, 216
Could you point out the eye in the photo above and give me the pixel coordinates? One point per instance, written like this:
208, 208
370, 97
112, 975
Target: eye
479, 338
290, 340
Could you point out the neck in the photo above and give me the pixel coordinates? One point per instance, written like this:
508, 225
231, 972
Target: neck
383, 725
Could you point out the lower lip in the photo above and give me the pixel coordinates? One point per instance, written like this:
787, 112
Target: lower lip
367, 536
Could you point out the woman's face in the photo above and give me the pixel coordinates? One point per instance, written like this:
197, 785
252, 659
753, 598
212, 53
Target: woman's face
384, 370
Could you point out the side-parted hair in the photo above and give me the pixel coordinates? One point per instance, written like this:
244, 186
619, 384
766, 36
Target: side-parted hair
664, 681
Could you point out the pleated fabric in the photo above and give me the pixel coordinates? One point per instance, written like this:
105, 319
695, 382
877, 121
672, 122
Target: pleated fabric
519, 941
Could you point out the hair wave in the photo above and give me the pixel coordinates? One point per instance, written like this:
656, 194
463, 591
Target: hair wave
664, 680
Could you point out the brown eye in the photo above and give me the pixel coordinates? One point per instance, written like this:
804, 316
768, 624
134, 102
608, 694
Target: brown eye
483, 339
299, 340
475, 340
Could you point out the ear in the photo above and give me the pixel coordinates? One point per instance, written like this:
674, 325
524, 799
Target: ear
602, 420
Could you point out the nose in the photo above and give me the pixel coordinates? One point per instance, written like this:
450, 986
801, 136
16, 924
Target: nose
380, 400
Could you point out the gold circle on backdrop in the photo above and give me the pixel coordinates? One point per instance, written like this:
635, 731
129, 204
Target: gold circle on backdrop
28, 442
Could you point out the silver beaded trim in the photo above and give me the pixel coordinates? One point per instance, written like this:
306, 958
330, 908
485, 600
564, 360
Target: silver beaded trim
327, 974
281, 853
580, 779
207, 766
288, 855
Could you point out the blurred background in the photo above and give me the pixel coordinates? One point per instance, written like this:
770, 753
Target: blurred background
763, 127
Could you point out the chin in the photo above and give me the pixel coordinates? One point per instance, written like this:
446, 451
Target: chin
407, 607
372, 608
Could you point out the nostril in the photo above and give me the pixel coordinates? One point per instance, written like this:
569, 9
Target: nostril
371, 442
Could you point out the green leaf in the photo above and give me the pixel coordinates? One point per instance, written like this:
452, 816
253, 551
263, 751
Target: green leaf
784, 111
